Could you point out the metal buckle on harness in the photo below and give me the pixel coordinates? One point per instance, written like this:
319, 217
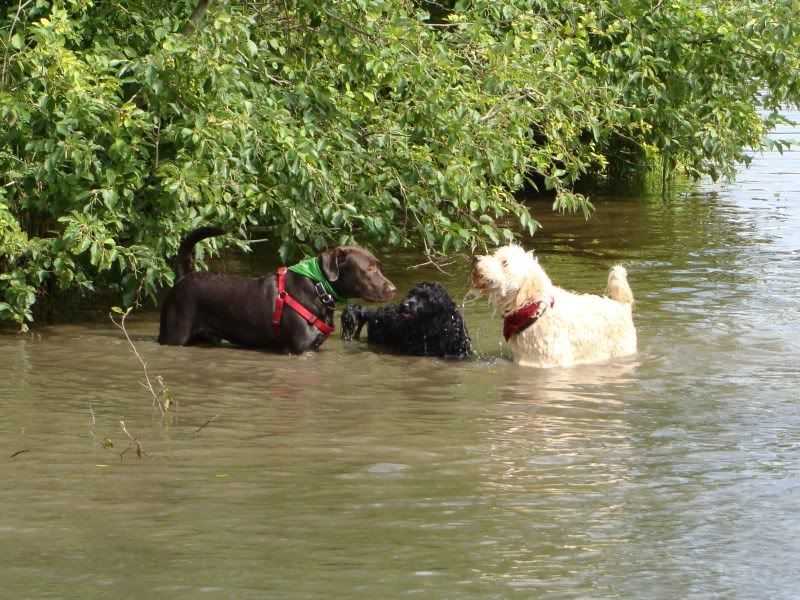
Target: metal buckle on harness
326, 298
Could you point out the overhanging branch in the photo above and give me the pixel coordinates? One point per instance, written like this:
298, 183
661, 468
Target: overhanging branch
197, 15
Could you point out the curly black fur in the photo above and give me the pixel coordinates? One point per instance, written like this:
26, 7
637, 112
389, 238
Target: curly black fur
427, 323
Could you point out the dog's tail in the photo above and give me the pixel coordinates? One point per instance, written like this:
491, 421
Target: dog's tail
186, 250
618, 288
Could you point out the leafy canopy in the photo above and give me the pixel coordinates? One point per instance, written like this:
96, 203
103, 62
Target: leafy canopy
389, 122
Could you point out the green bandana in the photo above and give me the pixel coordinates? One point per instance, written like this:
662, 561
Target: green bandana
310, 268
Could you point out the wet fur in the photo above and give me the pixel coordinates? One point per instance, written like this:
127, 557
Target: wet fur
209, 307
577, 329
428, 323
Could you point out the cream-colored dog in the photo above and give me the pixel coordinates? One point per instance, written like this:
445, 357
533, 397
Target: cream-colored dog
547, 326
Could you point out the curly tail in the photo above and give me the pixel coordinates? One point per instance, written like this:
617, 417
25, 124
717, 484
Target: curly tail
618, 288
186, 250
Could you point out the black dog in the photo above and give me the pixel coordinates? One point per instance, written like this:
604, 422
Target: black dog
209, 307
426, 324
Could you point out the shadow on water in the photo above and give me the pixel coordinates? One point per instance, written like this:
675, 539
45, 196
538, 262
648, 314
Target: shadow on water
350, 473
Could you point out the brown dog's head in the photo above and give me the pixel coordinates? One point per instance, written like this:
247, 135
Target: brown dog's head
354, 272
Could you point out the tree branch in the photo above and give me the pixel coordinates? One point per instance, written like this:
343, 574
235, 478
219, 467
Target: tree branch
347, 24
20, 8
197, 15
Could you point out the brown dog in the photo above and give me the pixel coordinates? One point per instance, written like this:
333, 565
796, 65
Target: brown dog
209, 307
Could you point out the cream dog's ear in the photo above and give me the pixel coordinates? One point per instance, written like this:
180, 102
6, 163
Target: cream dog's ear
528, 292
535, 287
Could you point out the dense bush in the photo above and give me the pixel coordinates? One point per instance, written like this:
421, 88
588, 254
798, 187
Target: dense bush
123, 126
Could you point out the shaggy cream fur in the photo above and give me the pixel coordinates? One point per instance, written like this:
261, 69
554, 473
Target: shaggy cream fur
576, 329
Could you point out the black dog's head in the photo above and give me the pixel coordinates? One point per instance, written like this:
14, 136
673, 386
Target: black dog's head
426, 323
425, 301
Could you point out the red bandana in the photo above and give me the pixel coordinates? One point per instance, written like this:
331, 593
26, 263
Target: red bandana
523, 318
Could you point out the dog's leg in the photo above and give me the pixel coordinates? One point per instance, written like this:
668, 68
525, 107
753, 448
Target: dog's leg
175, 336
175, 327
348, 321
353, 319
363, 316
204, 337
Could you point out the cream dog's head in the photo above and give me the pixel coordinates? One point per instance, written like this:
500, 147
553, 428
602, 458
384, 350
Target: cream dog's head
511, 278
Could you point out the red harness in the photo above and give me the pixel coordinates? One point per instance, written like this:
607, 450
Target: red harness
284, 297
523, 318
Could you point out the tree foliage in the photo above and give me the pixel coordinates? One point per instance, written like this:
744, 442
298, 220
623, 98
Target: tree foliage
383, 121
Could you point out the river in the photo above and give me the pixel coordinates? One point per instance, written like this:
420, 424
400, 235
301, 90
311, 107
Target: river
349, 473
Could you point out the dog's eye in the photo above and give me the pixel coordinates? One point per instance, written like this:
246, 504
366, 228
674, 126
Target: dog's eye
505, 263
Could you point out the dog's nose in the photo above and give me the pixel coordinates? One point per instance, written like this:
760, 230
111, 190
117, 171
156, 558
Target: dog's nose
390, 288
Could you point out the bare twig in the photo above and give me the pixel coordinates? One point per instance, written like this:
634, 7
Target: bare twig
347, 24
199, 429
106, 444
158, 142
434, 262
18, 452
429, 254
447, 25
134, 443
22, 82
277, 80
20, 8
92, 431
148, 385
516, 95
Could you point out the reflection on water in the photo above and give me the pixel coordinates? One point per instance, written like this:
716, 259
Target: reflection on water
349, 473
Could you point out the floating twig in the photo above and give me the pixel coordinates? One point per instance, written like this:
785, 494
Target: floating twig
199, 429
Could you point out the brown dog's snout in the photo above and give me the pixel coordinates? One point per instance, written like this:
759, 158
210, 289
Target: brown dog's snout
389, 290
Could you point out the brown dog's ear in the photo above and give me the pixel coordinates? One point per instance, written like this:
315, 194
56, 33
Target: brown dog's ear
330, 260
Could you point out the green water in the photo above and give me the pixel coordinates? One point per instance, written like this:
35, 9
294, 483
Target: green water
353, 474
